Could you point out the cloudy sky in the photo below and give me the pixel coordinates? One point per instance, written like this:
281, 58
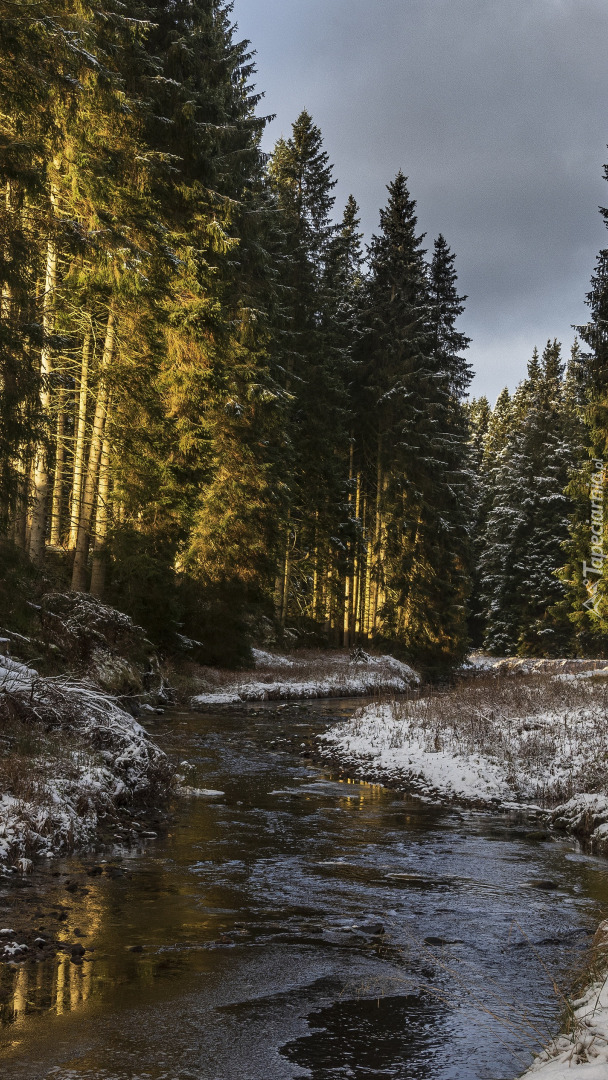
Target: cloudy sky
497, 113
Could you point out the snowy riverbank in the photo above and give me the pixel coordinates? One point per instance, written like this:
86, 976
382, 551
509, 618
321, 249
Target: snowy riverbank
537, 744
307, 674
73, 761
582, 1052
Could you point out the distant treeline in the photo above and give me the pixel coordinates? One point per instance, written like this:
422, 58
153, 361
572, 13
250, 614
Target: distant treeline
214, 404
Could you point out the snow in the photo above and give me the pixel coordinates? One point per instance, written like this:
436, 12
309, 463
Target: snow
15, 676
583, 1053
201, 793
266, 659
379, 742
486, 749
514, 665
336, 676
104, 759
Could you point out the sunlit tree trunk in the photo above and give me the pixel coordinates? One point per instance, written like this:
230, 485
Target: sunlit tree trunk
98, 574
41, 462
356, 616
329, 596
6, 313
348, 579
76, 499
315, 572
41, 474
79, 573
286, 579
55, 535
6, 295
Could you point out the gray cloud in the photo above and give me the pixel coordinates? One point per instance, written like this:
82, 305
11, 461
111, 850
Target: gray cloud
497, 114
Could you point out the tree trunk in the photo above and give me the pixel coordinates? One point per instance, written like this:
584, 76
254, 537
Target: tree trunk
329, 597
79, 573
98, 574
6, 294
377, 560
55, 536
20, 515
41, 462
286, 579
76, 500
315, 571
356, 616
348, 577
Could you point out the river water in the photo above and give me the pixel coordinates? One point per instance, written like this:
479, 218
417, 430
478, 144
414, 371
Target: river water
297, 926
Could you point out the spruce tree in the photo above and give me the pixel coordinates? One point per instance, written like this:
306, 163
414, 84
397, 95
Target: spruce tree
415, 376
528, 520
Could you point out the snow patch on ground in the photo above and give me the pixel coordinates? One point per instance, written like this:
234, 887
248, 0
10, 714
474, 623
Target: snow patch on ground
516, 665
377, 742
484, 751
336, 676
102, 759
14, 675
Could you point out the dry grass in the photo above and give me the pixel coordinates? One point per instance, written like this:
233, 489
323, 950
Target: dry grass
548, 735
304, 673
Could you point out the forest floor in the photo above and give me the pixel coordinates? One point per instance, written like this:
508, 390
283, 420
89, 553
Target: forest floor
305, 673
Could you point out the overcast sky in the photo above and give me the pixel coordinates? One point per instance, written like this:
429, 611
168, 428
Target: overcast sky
497, 113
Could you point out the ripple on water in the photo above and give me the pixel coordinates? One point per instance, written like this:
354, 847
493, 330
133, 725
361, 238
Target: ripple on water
242, 943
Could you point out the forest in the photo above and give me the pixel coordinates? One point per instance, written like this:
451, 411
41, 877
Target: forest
218, 405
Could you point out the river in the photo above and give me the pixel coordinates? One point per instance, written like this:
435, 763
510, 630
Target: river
296, 926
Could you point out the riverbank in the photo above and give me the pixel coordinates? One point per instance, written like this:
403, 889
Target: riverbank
537, 745
581, 1052
74, 764
304, 675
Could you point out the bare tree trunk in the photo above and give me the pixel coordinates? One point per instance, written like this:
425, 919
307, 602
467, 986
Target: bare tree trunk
315, 572
6, 296
286, 579
76, 499
20, 515
55, 536
6, 311
329, 597
356, 618
348, 579
41, 464
98, 574
79, 573
377, 544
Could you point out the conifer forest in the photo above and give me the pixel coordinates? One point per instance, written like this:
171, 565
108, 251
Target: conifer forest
303, 631
218, 403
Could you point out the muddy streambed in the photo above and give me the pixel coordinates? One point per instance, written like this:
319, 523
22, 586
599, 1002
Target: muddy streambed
295, 926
